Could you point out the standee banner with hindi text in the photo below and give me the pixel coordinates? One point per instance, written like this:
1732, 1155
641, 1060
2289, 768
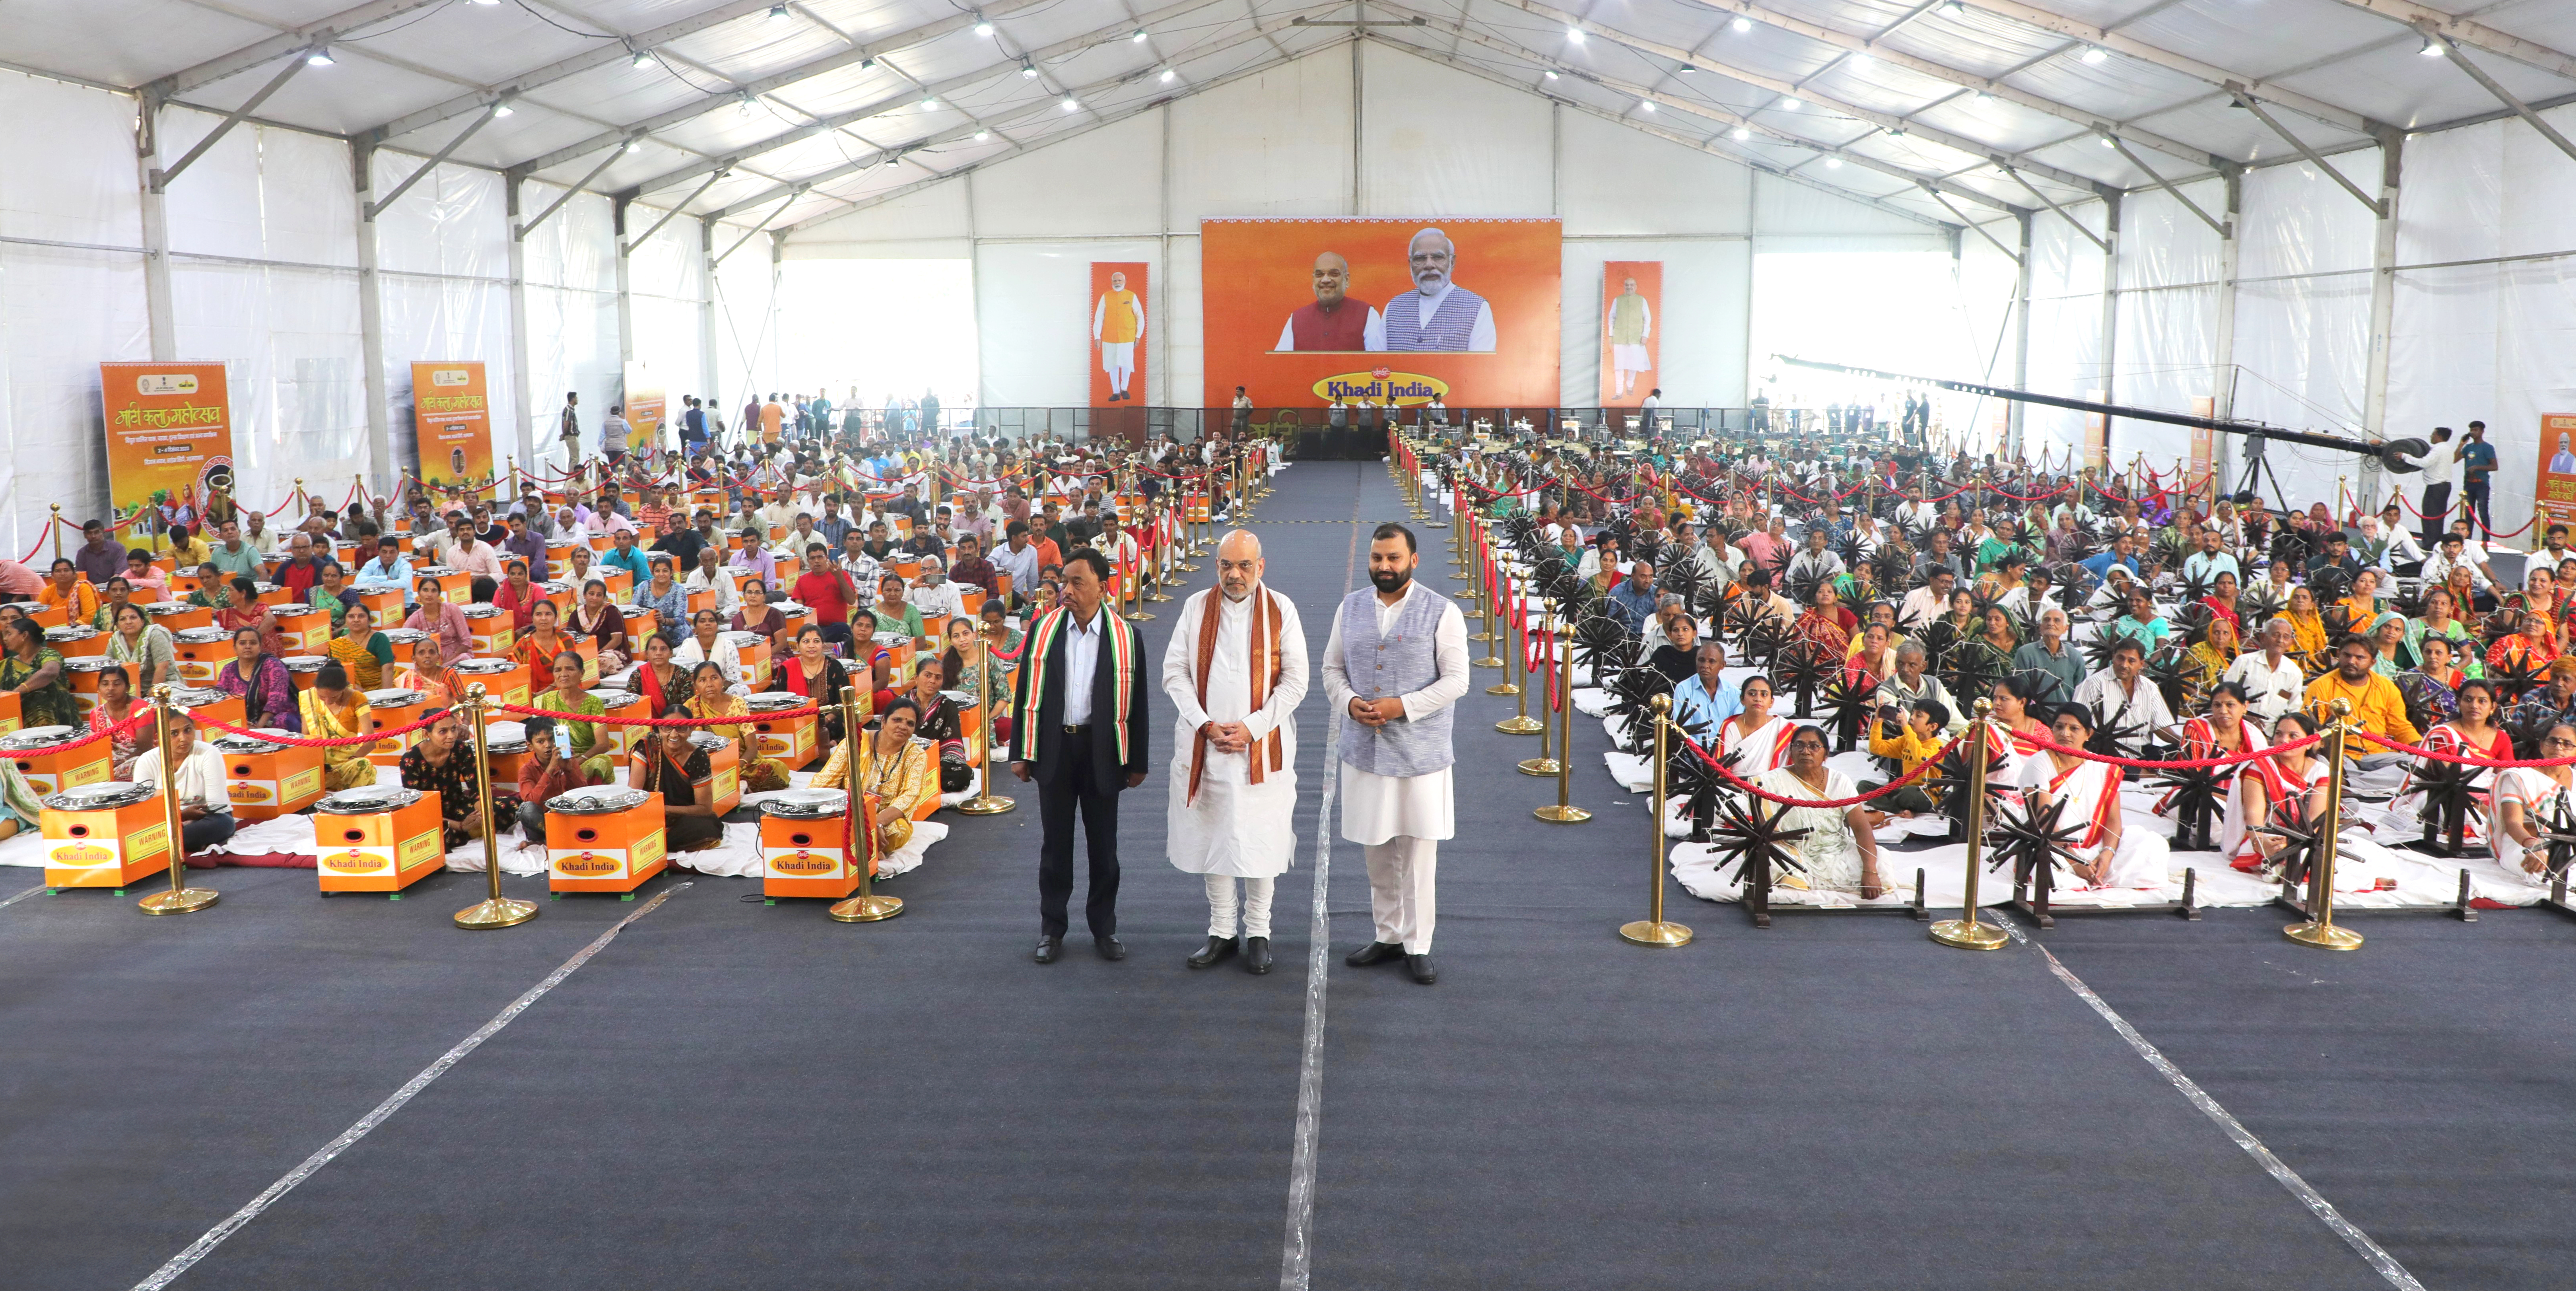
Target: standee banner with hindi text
451, 424
644, 408
1381, 310
1632, 303
169, 434
2555, 492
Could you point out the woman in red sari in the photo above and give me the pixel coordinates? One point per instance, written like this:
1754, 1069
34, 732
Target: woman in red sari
815, 675
662, 684
245, 611
1826, 623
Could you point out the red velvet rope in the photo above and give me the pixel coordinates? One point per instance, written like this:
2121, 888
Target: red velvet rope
337, 742
810, 710
142, 714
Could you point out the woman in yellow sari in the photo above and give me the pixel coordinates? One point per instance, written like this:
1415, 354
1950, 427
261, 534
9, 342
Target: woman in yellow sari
332, 711
708, 698
2208, 659
2307, 629
2361, 609
899, 776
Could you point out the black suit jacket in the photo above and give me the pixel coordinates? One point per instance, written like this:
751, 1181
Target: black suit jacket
1044, 745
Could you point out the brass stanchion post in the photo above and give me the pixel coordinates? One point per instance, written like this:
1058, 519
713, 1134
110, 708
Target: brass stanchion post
1519, 724
55, 527
985, 802
867, 906
1563, 811
1652, 930
495, 910
181, 898
1968, 932
2320, 930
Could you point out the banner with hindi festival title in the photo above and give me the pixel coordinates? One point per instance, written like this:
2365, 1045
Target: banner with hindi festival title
169, 438
451, 421
2554, 489
1301, 312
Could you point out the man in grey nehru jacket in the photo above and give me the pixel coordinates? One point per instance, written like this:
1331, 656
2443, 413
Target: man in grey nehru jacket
1395, 664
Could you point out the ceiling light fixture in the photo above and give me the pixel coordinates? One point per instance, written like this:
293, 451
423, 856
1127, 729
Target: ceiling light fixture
1741, 25
1790, 103
982, 135
501, 109
320, 57
1551, 73
1742, 134
1955, 9
744, 108
2432, 48
930, 102
1138, 38
1070, 103
1574, 34
2109, 142
2095, 53
640, 58
983, 28
1687, 69
1860, 58
1026, 70
1169, 76
1833, 163
1646, 105
778, 13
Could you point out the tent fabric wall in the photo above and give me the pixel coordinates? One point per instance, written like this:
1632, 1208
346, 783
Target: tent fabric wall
264, 275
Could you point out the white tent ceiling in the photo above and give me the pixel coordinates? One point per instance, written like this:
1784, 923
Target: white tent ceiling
1950, 109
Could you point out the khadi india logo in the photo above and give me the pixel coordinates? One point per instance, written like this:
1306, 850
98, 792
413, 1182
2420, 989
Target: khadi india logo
1382, 385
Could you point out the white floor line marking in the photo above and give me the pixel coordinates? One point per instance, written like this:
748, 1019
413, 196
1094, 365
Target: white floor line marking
22, 896
215, 1236
2370, 1251
1296, 1258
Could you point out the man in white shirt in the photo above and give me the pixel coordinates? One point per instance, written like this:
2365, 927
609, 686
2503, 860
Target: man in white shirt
205, 801
1926, 603
711, 575
2455, 552
2123, 700
2441, 465
2272, 680
932, 593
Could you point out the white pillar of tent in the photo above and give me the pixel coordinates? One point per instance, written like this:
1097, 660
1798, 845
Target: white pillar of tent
2227, 450
157, 308
618, 212
2021, 343
2110, 323
2383, 311
521, 389
715, 395
371, 323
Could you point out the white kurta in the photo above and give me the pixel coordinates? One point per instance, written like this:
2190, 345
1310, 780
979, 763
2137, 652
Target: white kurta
1376, 808
1234, 828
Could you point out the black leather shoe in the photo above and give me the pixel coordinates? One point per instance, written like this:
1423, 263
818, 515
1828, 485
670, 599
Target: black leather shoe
1376, 952
1420, 967
1048, 949
1256, 954
1215, 952
1109, 947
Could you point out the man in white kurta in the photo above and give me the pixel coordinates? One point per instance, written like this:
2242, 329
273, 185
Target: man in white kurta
1234, 693
1395, 664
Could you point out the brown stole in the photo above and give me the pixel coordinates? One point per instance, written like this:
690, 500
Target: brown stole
1265, 651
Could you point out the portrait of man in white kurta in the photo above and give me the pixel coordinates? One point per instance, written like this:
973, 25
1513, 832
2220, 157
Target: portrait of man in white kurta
1235, 672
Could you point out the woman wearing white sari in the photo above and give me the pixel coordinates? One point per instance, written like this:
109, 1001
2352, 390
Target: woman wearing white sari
1840, 852
2107, 854
1756, 740
2471, 732
2526, 799
2264, 787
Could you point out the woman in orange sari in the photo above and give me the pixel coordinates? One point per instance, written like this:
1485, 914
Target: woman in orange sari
543, 640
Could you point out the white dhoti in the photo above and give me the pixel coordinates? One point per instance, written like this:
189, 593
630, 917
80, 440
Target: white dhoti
1118, 358
1231, 828
1400, 820
1629, 358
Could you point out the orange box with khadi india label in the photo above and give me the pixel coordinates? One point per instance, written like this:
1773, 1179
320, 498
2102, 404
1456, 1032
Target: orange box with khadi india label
50, 767
265, 780
304, 628
106, 835
11, 718
792, 740
377, 838
604, 838
802, 836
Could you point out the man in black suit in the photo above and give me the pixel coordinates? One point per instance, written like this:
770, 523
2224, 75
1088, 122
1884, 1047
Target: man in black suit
1078, 728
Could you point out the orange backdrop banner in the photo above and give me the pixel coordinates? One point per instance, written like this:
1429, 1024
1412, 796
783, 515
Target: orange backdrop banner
169, 433
1118, 323
645, 407
451, 424
2556, 491
1299, 311
1632, 307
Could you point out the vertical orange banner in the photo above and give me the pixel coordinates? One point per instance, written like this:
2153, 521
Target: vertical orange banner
645, 408
2097, 432
2555, 490
169, 435
451, 424
2204, 445
1118, 294
1632, 303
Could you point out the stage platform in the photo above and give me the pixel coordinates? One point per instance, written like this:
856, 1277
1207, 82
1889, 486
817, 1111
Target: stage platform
732, 1094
